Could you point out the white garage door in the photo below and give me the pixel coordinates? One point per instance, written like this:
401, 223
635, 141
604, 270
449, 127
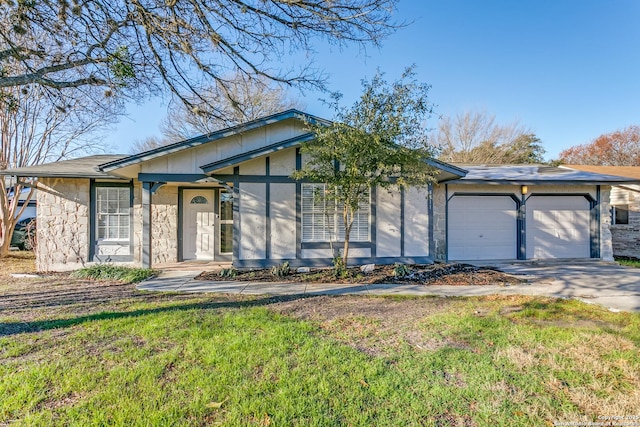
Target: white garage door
482, 227
558, 227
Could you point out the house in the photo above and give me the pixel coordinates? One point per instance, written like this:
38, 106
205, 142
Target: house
625, 209
228, 196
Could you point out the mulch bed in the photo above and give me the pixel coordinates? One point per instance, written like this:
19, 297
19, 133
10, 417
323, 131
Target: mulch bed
432, 274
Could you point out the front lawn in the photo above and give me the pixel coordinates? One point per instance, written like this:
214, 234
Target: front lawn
77, 352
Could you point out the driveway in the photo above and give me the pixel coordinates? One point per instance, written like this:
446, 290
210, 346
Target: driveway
607, 284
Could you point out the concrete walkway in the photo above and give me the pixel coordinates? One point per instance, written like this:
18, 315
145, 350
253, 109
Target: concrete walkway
607, 284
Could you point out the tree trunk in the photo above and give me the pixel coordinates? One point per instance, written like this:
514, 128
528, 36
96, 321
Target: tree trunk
347, 232
4, 247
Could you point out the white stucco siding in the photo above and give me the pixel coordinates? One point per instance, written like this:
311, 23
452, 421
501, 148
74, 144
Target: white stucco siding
318, 253
159, 165
252, 221
388, 223
283, 221
358, 252
283, 162
254, 167
416, 220
191, 159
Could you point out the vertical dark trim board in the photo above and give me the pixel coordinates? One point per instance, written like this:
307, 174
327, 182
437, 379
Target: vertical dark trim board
237, 228
267, 208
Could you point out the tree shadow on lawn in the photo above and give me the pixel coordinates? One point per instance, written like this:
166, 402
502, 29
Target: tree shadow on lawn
14, 328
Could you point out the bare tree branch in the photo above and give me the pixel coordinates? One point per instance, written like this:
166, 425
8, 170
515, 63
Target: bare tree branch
475, 137
133, 47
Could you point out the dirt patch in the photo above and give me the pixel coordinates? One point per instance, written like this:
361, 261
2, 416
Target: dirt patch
25, 304
373, 325
430, 275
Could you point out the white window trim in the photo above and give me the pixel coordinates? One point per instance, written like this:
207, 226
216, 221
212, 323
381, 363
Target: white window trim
112, 240
330, 222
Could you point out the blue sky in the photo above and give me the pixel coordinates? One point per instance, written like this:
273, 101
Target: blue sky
568, 70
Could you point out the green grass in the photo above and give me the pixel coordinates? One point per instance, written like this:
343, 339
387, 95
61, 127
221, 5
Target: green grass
208, 361
629, 262
114, 272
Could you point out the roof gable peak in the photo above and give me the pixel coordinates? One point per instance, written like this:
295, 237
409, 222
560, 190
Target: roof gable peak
207, 138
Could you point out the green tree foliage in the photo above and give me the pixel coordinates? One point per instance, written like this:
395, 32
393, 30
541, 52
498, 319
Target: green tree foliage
380, 141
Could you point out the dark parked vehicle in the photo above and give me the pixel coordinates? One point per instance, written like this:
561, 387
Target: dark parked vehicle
24, 234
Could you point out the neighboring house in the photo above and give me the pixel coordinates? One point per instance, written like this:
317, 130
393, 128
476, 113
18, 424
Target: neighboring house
228, 196
625, 209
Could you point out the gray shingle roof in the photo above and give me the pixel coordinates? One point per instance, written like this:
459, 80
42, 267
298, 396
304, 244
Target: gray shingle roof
83, 167
534, 174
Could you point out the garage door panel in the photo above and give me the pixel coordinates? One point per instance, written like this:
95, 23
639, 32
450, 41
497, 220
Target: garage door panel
482, 227
558, 227
471, 236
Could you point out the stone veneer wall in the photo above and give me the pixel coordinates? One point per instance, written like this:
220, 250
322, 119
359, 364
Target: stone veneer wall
63, 224
626, 237
164, 225
439, 223
606, 237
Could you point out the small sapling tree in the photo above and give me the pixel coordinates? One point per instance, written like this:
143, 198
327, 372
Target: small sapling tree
378, 142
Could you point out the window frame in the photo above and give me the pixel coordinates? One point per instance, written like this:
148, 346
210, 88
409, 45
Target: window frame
93, 224
226, 221
118, 215
333, 227
614, 214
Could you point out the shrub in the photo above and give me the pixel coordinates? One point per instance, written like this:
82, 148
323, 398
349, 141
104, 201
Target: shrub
114, 272
339, 267
228, 272
401, 270
281, 270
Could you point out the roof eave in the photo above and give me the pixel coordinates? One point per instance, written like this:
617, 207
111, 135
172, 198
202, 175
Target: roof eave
540, 182
447, 172
234, 160
214, 136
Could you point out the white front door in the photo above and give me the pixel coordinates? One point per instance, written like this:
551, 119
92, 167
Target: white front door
198, 229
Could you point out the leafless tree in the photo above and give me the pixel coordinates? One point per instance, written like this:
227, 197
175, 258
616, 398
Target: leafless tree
239, 100
149, 143
37, 126
475, 137
234, 101
137, 47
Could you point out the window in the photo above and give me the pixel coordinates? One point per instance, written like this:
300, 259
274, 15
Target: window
620, 214
226, 222
113, 207
199, 200
322, 218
